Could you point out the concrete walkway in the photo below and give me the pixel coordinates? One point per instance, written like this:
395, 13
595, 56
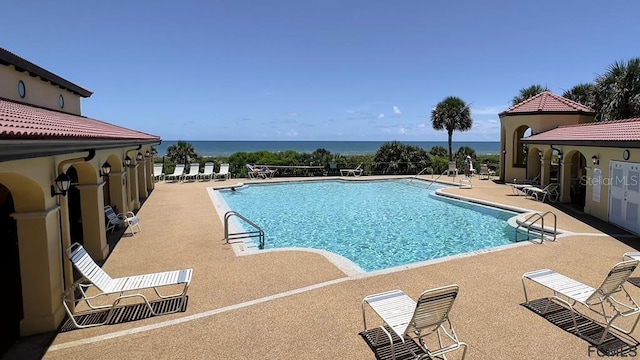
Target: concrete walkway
297, 304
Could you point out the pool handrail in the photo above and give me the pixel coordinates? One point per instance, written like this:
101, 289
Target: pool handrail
240, 235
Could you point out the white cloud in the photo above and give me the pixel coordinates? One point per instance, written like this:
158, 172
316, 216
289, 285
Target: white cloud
422, 125
290, 114
402, 130
488, 110
292, 133
396, 110
381, 116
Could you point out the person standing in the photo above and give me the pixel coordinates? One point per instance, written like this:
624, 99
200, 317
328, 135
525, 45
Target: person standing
467, 166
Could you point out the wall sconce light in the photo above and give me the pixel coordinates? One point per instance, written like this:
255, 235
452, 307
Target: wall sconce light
540, 153
595, 160
559, 156
63, 182
504, 151
127, 161
105, 169
139, 156
147, 154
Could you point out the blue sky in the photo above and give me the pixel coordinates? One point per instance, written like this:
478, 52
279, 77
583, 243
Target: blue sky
315, 70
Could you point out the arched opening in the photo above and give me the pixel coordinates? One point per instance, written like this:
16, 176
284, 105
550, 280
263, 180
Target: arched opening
75, 207
578, 172
520, 150
110, 197
12, 280
534, 156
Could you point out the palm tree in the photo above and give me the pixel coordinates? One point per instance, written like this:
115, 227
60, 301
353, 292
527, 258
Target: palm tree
526, 93
617, 92
181, 153
451, 114
582, 93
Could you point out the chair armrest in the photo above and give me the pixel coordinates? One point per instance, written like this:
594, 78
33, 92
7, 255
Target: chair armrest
126, 215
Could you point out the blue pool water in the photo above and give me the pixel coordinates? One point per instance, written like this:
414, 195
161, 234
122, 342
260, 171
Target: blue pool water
375, 224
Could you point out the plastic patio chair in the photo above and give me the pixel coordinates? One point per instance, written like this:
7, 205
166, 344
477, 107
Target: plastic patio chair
128, 218
178, 172
224, 171
208, 172
355, 172
194, 173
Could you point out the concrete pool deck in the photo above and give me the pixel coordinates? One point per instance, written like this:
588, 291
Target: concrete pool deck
297, 304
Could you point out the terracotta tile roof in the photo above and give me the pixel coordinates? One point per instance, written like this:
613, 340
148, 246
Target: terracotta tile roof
19, 121
608, 131
547, 101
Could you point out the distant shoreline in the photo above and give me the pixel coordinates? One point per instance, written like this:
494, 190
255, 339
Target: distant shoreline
224, 148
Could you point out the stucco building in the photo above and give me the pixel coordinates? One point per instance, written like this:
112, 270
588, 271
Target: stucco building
596, 164
44, 138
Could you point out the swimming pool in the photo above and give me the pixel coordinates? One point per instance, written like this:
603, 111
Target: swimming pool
375, 224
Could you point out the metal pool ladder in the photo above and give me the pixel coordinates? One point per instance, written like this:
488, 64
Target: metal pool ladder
242, 235
534, 218
436, 179
418, 174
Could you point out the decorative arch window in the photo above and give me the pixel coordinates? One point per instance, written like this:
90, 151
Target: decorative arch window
22, 89
61, 101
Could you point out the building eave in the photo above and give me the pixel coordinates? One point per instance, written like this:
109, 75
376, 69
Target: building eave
20, 64
590, 143
28, 149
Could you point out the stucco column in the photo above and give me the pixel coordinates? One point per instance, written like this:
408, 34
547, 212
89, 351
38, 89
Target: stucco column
149, 165
545, 172
565, 181
41, 270
93, 220
142, 180
588, 189
117, 191
134, 198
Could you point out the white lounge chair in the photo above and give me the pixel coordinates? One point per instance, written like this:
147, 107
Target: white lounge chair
157, 171
208, 172
194, 173
268, 173
453, 170
602, 301
355, 172
120, 288
113, 220
178, 172
520, 189
539, 194
533, 181
253, 172
485, 172
417, 320
224, 171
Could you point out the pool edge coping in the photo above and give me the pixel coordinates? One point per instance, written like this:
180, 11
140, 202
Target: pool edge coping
245, 247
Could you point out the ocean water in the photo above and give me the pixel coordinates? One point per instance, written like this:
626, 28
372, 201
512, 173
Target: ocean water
227, 148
